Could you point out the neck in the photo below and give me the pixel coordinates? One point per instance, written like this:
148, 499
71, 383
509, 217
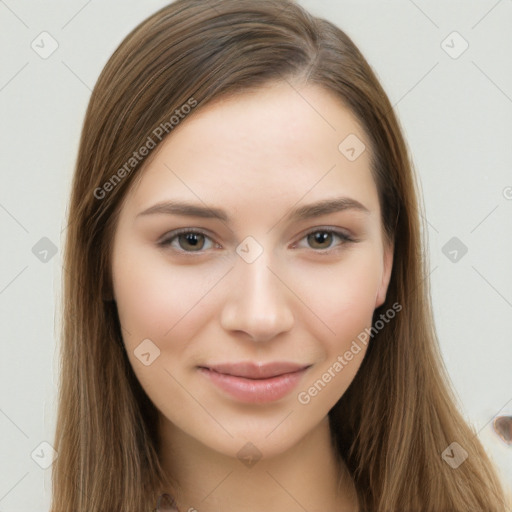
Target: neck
309, 476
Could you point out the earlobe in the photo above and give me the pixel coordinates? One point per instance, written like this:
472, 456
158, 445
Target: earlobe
386, 275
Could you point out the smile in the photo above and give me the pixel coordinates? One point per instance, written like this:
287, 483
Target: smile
252, 383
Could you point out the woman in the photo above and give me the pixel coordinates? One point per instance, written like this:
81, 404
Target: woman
247, 323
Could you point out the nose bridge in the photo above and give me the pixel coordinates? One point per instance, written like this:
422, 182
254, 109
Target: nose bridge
257, 302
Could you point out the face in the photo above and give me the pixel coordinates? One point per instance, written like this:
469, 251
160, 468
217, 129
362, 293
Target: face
240, 305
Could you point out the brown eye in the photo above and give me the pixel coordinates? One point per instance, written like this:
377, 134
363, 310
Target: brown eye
320, 239
323, 239
191, 240
187, 241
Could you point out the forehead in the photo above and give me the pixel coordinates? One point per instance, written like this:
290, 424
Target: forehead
278, 143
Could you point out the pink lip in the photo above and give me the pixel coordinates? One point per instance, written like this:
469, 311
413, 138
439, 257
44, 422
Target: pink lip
253, 383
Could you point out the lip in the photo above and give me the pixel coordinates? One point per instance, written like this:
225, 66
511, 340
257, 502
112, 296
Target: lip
255, 383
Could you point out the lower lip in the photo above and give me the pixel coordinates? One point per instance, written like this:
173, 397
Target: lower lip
256, 391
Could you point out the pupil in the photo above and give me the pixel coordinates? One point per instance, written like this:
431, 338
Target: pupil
321, 236
192, 239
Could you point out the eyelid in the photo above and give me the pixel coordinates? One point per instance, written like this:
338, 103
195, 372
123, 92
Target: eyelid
180, 231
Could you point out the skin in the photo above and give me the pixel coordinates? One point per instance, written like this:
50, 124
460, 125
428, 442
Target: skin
258, 156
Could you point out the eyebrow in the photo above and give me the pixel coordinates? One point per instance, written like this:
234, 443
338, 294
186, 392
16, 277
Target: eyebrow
308, 211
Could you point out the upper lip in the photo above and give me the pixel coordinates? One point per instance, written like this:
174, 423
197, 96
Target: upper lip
250, 370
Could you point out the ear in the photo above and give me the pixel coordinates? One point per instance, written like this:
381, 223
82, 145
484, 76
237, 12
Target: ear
386, 274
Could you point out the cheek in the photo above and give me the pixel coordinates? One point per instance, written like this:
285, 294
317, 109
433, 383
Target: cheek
341, 298
158, 302
165, 305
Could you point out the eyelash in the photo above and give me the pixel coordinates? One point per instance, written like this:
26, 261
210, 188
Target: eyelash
166, 242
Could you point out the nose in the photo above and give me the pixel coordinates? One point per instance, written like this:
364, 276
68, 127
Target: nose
257, 303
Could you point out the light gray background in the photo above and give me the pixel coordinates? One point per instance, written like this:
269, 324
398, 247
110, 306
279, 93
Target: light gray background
456, 115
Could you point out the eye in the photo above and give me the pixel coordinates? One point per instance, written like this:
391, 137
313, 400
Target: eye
188, 240
322, 238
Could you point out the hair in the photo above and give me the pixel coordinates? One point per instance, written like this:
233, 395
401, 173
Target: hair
399, 413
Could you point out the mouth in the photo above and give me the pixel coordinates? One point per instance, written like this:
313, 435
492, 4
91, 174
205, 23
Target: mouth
255, 383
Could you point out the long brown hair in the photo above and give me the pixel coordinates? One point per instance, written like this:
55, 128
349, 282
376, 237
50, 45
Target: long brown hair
398, 415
